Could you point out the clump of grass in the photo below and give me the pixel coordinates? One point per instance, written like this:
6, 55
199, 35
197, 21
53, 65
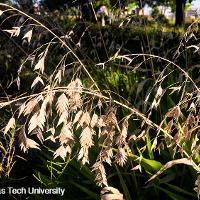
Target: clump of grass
76, 114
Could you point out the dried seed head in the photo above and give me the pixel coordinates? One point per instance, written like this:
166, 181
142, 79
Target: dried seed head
110, 193
197, 188
86, 142
120, 157
100, 172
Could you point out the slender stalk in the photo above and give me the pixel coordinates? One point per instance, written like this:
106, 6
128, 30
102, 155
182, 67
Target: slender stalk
61, 40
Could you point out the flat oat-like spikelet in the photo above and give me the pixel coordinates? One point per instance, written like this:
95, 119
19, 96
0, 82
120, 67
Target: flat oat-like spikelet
31, 105
39, 117
21, 109
43, 110
62, 152
121, 139
120, 157
26, 143
40, 64
66, 135
42, 116
62, 106
84, 120
86, 142
38, 133
100, 172
100, 122
34, 121
10, 125
74, 87
110, 118
15, 31
77, 116
94, 120
37, 120
52, 137
106, 155
74, 90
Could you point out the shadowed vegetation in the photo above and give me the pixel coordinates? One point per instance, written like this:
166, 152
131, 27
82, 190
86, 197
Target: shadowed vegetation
105, 106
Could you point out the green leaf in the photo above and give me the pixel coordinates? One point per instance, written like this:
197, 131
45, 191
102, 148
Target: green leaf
151, 165
87, 191
180, 190
148, 141
123, 184
171, 194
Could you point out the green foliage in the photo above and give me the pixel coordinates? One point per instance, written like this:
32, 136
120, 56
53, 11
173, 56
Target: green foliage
69, 175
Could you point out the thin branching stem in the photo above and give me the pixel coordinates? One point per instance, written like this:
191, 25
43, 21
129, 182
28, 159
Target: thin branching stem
62, 41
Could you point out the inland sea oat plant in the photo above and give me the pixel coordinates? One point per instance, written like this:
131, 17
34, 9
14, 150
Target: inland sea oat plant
67, 106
